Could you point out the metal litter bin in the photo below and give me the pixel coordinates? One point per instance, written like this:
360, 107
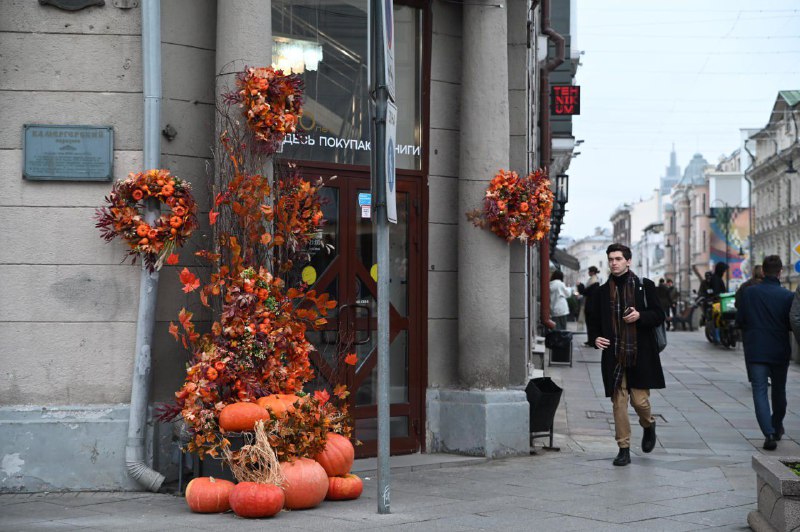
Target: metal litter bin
560, 345
543, 397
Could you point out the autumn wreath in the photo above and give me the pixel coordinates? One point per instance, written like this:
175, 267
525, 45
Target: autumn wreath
123, 215
272, 102
516, 207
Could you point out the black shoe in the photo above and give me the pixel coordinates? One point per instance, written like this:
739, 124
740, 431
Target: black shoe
623, 458
779, 434
770, 443
649, 438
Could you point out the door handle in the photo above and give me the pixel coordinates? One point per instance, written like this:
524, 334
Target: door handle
368, 338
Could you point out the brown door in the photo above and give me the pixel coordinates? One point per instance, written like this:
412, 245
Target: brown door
344, 264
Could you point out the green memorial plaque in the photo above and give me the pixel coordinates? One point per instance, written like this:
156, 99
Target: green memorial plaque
68, 153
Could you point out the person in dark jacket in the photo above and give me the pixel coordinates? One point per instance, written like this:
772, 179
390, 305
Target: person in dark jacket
630, 363
588, 292
718, 284
763, 316
758, 276
663, 299
794, 315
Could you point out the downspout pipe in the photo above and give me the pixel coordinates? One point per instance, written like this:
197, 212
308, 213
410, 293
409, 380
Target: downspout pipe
148, 286
546, 151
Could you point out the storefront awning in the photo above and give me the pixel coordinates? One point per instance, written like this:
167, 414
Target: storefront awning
562, 258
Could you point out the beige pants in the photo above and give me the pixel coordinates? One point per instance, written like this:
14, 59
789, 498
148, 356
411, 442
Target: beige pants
640, 400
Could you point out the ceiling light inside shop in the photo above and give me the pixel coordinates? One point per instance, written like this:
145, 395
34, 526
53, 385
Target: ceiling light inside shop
295, 56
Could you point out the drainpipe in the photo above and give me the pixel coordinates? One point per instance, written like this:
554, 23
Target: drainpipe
148, 287
546, 151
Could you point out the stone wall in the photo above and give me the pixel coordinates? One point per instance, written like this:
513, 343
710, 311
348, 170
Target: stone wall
68, 319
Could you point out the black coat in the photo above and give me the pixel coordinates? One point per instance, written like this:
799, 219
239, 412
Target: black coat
647, 374
763, 315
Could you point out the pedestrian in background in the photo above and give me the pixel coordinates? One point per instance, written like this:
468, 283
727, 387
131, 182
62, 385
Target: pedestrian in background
559, 308
672, 310
588, 291
758, 276
763, 316
794, 315
630, 364
663, 299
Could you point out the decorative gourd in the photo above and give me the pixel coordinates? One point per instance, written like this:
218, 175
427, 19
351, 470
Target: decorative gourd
279, 404
208, 495
305, 485
252, 499
344, 488
238, 417
337, 458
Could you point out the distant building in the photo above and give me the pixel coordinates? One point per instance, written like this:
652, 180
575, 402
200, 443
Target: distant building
590, 251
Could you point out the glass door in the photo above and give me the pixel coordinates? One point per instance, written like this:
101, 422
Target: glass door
344, 264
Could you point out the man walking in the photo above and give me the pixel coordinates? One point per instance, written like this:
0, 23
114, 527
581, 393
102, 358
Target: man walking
627, 311
763, 316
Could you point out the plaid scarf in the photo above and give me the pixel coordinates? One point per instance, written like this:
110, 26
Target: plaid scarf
624, 333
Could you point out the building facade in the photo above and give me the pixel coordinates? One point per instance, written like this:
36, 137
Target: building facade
465, 304
775, 152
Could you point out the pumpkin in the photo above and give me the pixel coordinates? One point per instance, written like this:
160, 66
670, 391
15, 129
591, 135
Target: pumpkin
253, 499
344, 488
337, 457
208, 495
278, 403
306, 483
238, 417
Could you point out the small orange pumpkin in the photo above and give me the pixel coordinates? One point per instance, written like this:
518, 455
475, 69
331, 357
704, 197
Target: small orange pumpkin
238, 417
338, 456
208, 495
278, 403
306, 483
344, 488
252, 499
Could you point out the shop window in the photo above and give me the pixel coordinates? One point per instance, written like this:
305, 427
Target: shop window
326, 42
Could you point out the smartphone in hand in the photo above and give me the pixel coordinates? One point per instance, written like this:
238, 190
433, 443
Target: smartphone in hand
628, 311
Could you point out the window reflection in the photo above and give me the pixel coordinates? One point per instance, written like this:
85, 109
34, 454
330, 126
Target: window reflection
326, 42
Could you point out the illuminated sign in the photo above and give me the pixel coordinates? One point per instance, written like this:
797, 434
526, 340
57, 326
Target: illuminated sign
565, 100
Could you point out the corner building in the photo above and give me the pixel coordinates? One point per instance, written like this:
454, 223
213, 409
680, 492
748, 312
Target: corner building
464, 304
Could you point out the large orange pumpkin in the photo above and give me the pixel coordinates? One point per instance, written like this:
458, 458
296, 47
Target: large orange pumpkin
238, 417
344, 488
337, 458
252, 499
306, 483
278, 403
208, 495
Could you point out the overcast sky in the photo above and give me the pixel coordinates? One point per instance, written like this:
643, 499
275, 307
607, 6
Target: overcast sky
688, 72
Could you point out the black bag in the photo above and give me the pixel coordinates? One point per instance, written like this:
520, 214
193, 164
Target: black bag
660, 331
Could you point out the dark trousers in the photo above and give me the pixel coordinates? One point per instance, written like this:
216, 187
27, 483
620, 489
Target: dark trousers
757, 374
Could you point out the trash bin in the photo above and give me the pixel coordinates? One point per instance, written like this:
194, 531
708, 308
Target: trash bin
543, 397
560, 345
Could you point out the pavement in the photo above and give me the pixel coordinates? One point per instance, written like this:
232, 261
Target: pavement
698, 478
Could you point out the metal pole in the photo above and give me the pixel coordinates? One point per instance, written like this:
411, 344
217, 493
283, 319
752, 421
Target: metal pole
381, 223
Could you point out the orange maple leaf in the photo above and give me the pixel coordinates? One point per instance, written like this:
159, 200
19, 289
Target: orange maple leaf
189, 280
173, 330
340, 391
172, 259
185, 317
351, 359
212, 217
322, 396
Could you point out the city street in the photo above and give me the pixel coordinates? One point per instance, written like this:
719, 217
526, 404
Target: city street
699, 476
